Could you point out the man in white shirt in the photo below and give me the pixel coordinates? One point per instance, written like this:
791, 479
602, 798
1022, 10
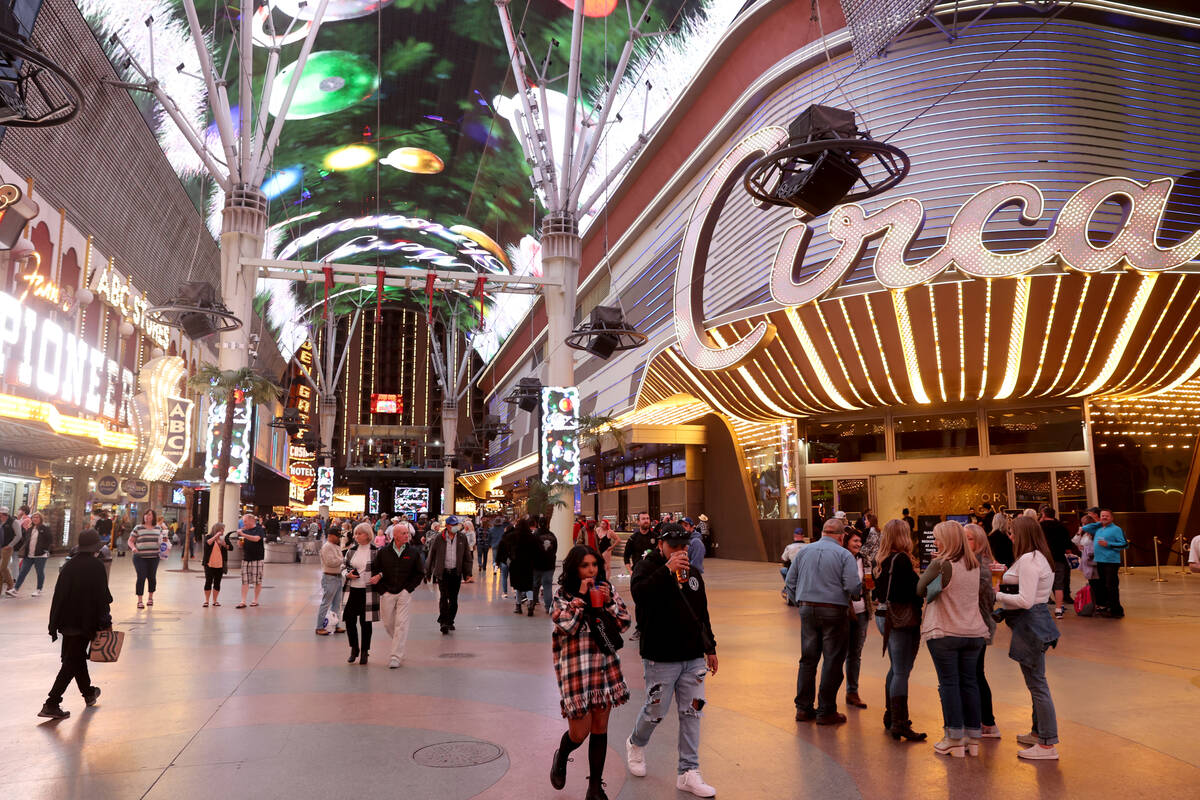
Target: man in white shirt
1194, 554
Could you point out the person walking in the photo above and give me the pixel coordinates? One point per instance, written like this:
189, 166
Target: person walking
360, 598
822, 581
253, 554
898, 617
587, 612
1108, 540
145, 542
468, 532
640, 542
978, 541
503, 557
34, 550
1033, 632
8, 539
606, 541
544, 560
448, 565
677, 648
1058, 538
79, 608
331, 582
402, 570
215, 563
494, 533
523, 553
954, 633
695, 545
860, 618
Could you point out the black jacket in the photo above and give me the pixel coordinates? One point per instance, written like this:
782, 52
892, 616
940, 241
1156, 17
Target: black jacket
207, 552
43, 542
1058, 538
636, 546
898, 588
437, 556
523, 552
547, 555
672, 618
81, 599
8, 532
400, 572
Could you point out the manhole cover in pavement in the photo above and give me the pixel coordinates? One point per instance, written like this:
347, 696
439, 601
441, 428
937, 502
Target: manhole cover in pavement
457, 754
457, 655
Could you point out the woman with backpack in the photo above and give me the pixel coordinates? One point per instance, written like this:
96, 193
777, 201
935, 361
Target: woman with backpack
588, 618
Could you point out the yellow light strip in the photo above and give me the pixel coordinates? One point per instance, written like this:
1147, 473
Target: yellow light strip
814, 361
909, 347
937, 345
887, 373
1087, 280
1132, 317
802, 405
1186, 374
754, 386
962, 348
837, 353
812, 404
1164, 350
858, 351
698, 385
1045, 339
1087, 359
987, 333
22, 408
1016, 340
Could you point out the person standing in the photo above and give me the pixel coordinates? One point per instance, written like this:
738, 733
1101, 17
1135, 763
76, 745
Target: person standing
999, 538
954, 633
34, 550
468, 532
8, 539
606, 540
215, 561
448, 565
978, 541
272, 527
331, 581
401, 571
677, 648
253, 553
695, 546
360, 598
503, 557
910, 522
640, 542
544, 561
870, 538
860, 618
1059, 540
104, 527
145, 541
523, 553
79, 608
898, 617
822, 581
987, 517
1033, 632
1108, 541
587, 610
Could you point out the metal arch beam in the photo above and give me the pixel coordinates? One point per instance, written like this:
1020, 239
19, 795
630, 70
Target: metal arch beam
403, 277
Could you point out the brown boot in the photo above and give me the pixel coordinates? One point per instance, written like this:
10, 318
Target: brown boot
901, 724
852, 699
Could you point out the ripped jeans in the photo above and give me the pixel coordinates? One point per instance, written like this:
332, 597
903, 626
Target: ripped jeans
685, 680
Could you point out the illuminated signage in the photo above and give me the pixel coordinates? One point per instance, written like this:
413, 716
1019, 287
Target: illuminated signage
118, 291
896, 226
38, 287
107, 487
302, 474
39, 353
136, 490
387, 404
324, 486
239, 450
372, 501
178, 441
166, 419
497, 494
411, 500
301, 397
178, 496
560, 435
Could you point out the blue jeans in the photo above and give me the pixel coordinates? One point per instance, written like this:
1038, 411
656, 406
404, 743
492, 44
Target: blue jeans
147, 571
545, 580
37, 564
1045, 722
902, 647
956, 659
503, 578
331, 597
685, 680
858, 637
824, 634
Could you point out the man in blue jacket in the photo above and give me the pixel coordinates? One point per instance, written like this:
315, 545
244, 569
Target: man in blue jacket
1108, 542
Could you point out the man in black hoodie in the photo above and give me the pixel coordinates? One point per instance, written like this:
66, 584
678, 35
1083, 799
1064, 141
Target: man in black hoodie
543, 565
78, 610
1058, 538
677, 648
639, 541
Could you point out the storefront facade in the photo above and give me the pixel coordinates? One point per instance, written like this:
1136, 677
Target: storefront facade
944, 344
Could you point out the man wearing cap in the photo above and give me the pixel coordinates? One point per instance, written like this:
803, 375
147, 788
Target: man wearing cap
449, 563
695, 547
678, 650
78, 610
8, 540
823, 579
788, 555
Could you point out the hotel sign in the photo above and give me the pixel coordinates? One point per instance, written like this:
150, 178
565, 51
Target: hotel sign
896, 226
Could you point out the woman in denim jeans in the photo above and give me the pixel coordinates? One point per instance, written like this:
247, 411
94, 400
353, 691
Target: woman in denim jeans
896, 585
859, 620
954, 632
987, 601
1033, 631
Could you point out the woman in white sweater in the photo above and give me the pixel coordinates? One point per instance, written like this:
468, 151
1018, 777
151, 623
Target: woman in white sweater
1025, 589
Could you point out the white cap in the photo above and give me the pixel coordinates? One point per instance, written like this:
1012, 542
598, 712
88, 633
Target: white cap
839, 515
4, 510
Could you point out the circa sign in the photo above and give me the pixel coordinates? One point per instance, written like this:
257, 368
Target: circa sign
897, 225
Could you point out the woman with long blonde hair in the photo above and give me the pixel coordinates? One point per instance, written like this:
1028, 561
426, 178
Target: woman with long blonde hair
954, 632
896, 594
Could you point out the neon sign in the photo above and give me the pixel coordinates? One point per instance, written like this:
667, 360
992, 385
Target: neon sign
560, 435
42, 289
896, 226
118, 291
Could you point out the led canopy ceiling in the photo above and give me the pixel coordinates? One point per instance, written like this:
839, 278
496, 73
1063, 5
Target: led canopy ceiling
354, 156
336, 10
332, 81
414, 160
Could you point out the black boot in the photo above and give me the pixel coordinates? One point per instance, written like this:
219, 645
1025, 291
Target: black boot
595, 790
597, 751
353, 655
558, 767
901, 724
363, 658
887, 712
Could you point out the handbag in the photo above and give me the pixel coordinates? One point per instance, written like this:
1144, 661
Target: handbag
606, 631
106, 646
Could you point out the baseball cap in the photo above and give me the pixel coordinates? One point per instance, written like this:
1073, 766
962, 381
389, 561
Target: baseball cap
673, 531
4, 510
798, 532
452, 520
89, 541
839, 515
688, 520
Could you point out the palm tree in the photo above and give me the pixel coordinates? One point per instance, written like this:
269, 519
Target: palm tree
593, 428
543, 499
221, 386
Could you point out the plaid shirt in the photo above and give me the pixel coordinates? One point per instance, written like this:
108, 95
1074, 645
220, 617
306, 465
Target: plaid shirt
372, 594
587, 676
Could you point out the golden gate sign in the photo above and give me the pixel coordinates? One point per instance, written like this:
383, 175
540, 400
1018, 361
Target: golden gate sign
1134, 246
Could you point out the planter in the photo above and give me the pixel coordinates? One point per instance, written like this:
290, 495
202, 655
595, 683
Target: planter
282, 553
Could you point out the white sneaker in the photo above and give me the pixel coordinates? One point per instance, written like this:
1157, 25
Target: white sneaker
394, 663
635, 757
691, 781
11, 592
1026, 739
36, 593
1039, 753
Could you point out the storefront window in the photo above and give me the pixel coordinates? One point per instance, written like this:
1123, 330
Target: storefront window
1033, 489
768, 457
937, 436
820, 495
1072, 493
1039, 430
837, 442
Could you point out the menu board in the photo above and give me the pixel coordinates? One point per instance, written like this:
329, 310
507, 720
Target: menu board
925, 543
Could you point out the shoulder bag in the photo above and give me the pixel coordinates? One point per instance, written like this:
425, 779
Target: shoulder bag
903, 615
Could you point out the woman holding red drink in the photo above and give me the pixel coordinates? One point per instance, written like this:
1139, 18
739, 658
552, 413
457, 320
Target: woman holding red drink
588, 618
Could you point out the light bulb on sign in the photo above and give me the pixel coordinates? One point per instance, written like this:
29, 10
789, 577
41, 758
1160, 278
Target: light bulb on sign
126, 329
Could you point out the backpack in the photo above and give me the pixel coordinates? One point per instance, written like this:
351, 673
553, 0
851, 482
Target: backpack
1084, 606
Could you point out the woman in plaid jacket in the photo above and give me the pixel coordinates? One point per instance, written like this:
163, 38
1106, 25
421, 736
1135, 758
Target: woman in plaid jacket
360, 600
585, 662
